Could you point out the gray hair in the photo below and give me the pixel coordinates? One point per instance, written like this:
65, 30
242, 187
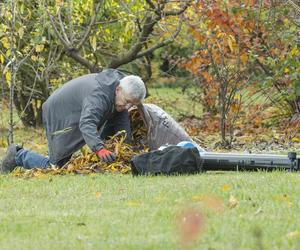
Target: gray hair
134, 86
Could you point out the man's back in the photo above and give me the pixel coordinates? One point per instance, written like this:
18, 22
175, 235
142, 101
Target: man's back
72, 93
64, 109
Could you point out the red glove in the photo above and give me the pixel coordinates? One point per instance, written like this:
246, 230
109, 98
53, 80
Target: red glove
106, 155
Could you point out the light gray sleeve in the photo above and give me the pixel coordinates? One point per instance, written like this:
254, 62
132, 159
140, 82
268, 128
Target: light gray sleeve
95, 108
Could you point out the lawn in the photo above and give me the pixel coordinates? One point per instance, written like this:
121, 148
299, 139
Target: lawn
214, 210
237, 211
175, 101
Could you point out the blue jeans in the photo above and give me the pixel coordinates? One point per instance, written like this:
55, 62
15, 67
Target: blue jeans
29, 159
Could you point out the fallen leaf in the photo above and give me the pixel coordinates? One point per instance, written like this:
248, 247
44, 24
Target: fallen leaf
295, 234
225, 188
233, 202
258, 211
284, 198
134, 203
98, 194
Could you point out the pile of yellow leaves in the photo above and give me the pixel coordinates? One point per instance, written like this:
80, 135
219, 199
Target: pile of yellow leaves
87, 162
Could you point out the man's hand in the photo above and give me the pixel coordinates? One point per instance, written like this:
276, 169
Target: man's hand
106, 155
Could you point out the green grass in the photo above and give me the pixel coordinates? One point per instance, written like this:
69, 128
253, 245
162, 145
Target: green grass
121, 212
31, 138
241, 210
175, 102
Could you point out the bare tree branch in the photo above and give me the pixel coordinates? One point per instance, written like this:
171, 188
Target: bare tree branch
151, 4
131, 54
147, 29
71, 29
294, 5
69, 48
162, 44
62, 27
160, 7
77, 57
64, 42
151, 18
108, 22
89, 28
106, 53
178, 12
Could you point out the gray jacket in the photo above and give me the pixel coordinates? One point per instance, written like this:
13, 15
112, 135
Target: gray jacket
74, 113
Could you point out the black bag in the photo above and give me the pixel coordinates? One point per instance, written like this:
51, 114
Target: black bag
169, 161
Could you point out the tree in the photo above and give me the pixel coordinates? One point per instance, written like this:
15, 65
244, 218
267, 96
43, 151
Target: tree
274, 56
51, 35
221, 60
34, 56
118, 32
245, 44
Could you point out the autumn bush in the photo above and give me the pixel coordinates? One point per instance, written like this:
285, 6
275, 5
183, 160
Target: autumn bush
244, 46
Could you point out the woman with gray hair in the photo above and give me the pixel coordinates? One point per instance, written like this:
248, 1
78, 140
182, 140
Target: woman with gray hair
83, 111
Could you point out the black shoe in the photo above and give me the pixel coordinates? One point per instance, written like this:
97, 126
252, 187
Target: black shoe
9, 160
